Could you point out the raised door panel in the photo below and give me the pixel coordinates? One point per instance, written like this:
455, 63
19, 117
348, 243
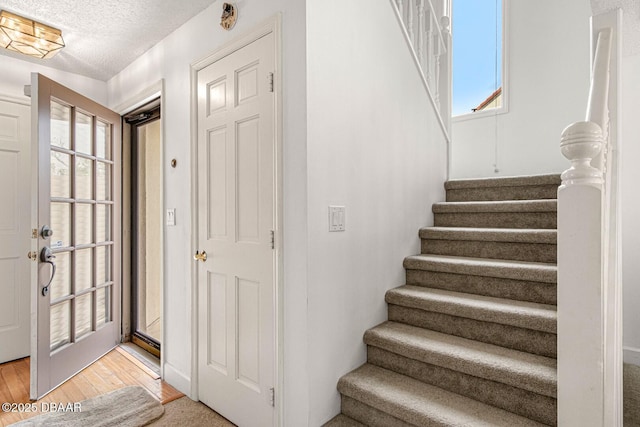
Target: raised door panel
9, 191
248, 333
247, 192
217, 324
217, 183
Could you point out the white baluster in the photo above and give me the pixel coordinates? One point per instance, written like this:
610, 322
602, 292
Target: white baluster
436, 85
445, 73
421, 31
429, 49
399, 4
410, 13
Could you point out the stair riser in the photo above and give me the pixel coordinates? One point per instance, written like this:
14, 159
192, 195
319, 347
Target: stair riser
520, 290
341, 420
528, 340
516, 251
546, 220
369, 415
521, 402
502, 193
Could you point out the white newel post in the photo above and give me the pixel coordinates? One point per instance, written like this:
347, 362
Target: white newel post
589, 249
581, 313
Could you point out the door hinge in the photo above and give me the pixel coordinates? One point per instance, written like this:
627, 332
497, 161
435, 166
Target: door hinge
273, 239
272, 396
270, 81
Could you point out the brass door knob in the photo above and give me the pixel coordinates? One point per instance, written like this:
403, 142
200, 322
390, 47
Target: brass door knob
200, 256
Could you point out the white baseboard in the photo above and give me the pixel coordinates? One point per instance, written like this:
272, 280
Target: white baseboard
631, 355
177, 379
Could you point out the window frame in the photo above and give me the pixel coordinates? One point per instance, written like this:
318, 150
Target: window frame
505, 76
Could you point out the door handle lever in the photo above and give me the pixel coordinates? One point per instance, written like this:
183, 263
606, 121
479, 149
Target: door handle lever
47, 256
200, 256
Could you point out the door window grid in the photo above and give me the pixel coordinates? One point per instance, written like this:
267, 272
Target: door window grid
84, 307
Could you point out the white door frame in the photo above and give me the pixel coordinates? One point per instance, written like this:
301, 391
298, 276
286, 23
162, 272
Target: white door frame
271, 25
146, 95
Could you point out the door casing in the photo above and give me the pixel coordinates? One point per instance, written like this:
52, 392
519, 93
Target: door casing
270, 25
155, 90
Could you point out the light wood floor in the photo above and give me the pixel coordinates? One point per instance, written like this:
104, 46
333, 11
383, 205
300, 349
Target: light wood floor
115, 370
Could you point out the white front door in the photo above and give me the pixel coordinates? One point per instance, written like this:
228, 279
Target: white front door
76, 288
236, 211
15, 230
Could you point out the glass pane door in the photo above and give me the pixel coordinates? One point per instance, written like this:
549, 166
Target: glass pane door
81, 206
76, 287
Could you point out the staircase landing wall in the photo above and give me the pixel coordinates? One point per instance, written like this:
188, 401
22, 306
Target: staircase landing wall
373, 145
547, 81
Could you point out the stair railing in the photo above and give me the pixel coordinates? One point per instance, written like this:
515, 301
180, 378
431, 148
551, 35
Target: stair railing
428, 35
589, 285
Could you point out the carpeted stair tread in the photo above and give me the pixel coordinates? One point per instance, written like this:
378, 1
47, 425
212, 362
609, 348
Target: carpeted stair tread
420, 404
515, 368
537, 187
504, 181
538, 245
342, 421
508, 206
521, 314
515, 235
519, 270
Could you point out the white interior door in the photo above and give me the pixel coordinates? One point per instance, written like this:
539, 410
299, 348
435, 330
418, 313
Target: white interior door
236, 211
76, 289
15, 202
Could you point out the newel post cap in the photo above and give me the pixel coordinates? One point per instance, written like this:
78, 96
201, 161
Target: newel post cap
580, 143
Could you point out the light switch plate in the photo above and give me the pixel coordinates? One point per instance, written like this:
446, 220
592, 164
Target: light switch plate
171, 217
337, 218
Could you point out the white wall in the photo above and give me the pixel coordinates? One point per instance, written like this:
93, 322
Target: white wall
374, 146
630, 154
170, 60
547, 89
17, 73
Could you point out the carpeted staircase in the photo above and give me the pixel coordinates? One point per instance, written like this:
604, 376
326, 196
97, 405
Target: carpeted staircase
471, 337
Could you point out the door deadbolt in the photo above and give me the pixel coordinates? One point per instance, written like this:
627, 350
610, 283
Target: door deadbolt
46, 232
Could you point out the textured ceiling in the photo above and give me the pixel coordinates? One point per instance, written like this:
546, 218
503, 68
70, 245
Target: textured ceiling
630, 24
102, 37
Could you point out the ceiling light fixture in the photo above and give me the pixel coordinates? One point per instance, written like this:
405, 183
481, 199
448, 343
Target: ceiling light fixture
29, 37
